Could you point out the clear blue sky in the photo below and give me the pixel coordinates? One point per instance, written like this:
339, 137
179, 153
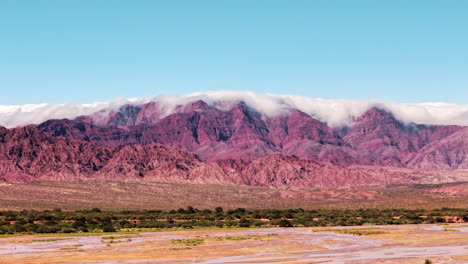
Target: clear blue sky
84, 51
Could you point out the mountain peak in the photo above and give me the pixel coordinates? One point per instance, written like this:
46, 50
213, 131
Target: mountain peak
198, 105
240, 131
375, 114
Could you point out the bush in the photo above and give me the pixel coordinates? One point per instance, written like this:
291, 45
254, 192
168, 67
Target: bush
258, 223
82, 229
55, 221
244, 223
108, 228
187, 225
47, 229
68, 230
285, 223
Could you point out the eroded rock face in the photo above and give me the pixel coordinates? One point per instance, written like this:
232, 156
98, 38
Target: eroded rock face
29, 154
285, 171
447, 153
375, 138
199, 143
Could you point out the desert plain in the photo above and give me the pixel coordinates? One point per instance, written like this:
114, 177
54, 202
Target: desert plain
363, 244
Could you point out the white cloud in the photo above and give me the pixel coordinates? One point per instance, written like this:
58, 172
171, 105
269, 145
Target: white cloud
336, 112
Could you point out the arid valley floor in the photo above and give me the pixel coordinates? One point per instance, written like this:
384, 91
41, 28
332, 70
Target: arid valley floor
116, 196
439, 243
369, 244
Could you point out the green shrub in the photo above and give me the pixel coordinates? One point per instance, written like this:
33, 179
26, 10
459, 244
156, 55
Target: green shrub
285, 223
244, 223
108, 228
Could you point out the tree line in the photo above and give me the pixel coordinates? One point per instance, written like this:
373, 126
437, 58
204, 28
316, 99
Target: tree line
96, 220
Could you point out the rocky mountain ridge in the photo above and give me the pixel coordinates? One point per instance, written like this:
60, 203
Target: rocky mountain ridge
28, 154
375, 138
202, 144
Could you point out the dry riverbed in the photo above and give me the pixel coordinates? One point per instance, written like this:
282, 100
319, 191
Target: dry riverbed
364, 244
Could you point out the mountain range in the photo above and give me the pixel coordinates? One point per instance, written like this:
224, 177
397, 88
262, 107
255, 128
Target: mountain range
201, 143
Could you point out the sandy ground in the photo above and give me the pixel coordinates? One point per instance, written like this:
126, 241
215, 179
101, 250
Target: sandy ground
390, 244
116, 196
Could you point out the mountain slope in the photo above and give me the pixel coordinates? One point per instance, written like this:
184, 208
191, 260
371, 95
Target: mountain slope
28, 154
447, 153
375, 138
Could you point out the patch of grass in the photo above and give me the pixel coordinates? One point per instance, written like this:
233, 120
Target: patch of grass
180, 248
353, 231
68, 248
84, 234
49, 239
246, 237
195, 228
188, 241
77, 234
451, 230
125, 231
236, 238
7, 235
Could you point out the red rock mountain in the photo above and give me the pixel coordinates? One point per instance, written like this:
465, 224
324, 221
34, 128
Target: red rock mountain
200, 143
28, 154
375, 138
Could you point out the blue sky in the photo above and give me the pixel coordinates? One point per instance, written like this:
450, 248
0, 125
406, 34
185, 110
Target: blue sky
85, 51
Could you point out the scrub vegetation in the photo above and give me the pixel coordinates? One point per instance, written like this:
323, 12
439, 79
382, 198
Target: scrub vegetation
97, 221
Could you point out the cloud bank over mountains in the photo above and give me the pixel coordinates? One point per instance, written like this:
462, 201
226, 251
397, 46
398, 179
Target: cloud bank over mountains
335, 112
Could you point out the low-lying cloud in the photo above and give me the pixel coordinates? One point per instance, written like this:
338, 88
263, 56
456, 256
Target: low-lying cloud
335, 112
